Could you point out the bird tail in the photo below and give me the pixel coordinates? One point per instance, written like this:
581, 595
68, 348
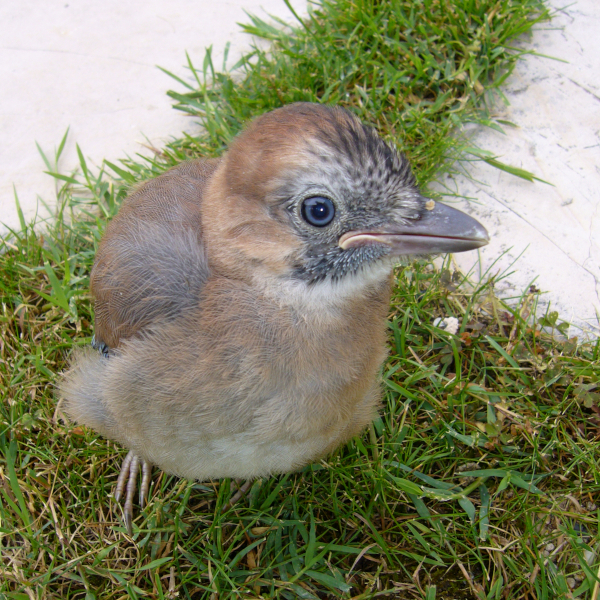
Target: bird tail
80, 389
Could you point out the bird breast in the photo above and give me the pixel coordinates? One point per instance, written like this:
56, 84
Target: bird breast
246, 385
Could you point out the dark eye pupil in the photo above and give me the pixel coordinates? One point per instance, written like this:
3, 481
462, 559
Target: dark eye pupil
318, 211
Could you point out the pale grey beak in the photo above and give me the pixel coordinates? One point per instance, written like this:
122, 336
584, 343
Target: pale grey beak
442, 229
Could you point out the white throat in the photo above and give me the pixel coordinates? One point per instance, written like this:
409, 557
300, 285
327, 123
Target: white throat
328, 295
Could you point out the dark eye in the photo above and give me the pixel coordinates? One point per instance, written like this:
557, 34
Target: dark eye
318, 211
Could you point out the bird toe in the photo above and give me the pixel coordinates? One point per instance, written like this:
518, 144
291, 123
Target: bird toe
242, 489
127, 482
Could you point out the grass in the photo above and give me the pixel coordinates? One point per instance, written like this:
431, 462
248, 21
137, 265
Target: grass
478, 480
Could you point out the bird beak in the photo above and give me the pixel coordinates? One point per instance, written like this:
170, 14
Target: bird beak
442, 229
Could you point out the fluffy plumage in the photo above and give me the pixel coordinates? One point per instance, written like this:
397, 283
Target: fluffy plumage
238, 338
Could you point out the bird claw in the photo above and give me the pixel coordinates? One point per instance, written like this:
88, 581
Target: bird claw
127, 482
240, 493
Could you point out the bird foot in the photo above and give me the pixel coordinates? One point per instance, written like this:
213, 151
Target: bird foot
240, 493
127, 483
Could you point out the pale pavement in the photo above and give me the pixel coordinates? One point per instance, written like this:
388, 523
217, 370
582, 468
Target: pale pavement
555, 229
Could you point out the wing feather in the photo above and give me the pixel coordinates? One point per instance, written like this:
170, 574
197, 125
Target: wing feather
151, 264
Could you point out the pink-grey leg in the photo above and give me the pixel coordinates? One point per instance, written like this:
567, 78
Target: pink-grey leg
241, 491
127, 482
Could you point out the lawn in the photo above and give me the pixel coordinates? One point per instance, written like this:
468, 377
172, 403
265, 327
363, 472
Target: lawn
480, 477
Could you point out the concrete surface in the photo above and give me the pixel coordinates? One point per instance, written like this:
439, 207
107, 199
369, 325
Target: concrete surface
555, 229
90, 66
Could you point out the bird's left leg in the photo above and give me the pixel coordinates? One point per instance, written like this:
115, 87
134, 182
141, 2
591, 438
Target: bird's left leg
127, 482
240, 492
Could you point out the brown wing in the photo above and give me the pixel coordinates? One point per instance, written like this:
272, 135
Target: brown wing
151, 262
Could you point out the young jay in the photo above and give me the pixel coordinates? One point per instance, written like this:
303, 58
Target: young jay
241, 302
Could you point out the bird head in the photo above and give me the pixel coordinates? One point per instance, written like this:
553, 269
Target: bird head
309, 193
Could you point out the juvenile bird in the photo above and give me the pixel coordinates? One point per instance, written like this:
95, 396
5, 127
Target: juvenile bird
241, 302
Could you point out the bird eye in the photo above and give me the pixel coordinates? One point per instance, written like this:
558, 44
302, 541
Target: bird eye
318, 211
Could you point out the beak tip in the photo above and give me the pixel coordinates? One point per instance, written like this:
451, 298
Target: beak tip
480, 236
